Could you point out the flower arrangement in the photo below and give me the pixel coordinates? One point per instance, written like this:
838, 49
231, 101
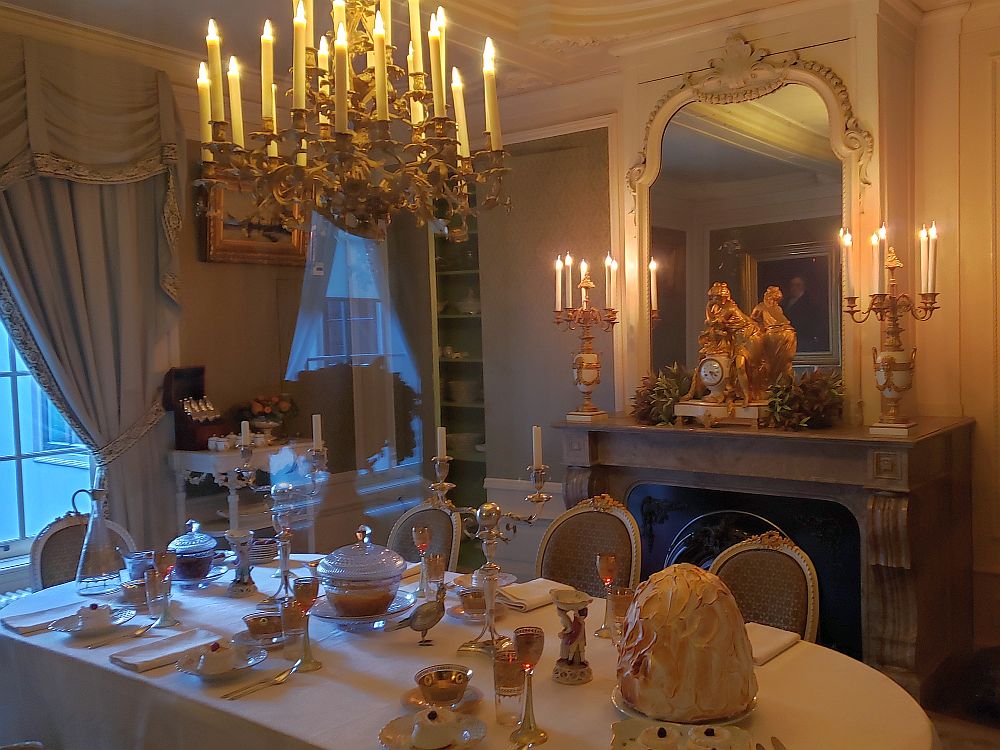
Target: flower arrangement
654, 399
812, 400
268, 409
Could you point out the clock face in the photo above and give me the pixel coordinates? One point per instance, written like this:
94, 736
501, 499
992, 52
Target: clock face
711, 372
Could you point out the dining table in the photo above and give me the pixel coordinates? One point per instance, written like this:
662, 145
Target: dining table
55, 690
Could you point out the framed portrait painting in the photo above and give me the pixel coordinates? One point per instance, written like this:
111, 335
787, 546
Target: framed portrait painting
229, 238
808, 275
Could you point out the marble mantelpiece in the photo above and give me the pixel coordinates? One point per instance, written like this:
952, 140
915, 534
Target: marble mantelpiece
909, 495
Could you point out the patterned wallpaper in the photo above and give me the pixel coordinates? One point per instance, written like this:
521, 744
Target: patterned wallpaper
560, 202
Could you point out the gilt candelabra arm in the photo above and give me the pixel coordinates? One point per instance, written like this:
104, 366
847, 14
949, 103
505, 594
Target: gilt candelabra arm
539, 475
572, 318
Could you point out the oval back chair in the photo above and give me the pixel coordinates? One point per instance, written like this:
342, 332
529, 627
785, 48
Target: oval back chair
446, 533
55, 552
774, 583
569, 549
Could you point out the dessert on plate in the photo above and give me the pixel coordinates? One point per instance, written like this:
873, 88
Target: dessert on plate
94, 616
216, 658
433, 729
660, 738
685, 656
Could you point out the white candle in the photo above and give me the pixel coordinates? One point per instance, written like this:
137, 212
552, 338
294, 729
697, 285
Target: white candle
654, 303
236, 102
299, 59
214, 44
584, 293
846, 243
607, 280
266, 70
205, 110
323, 61
416, 40
559, 275
385, 6
244, 433
490, 94
272, 146
568, 264
876, 275
339, 15
924, 258
340, 80
536, 446
317, 432
883, 255
416, 107
381, 79
614, 283
461, 123
932, 235
310, 28
442, 32
437, 73
442, 442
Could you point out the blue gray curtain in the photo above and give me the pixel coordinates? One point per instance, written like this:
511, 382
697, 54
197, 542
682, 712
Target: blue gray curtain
89, 221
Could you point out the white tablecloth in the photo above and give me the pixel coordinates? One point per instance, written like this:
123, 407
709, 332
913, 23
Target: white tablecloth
54, 690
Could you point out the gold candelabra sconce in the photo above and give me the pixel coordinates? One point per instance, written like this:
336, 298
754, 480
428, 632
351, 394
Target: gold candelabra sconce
894, 370
587, 361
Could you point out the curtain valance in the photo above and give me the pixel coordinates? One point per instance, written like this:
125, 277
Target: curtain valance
90, 119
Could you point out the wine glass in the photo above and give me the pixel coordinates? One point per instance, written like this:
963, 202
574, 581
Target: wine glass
422, 537
305, 591
529, 642
607, 571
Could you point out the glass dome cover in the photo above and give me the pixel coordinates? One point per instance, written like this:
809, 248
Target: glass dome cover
193, 541
362, 561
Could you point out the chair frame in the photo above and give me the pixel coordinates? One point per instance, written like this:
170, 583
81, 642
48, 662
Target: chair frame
776, 542
598, 504
456, 528
71, 519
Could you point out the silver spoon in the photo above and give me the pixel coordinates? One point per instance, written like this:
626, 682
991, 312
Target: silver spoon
278, 679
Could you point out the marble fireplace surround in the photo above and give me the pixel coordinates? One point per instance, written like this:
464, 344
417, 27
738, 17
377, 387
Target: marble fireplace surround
910, 497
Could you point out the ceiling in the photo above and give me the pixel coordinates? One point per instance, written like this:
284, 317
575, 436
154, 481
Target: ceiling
540, 43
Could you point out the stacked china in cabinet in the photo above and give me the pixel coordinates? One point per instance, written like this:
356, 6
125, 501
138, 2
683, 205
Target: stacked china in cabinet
460, 363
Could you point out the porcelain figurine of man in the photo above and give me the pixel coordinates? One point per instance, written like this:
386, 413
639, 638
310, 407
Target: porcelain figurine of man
572, 668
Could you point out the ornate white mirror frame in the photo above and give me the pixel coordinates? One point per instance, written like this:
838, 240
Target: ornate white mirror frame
741, 74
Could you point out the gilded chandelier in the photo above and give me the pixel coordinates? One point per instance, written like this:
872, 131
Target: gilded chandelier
358, 148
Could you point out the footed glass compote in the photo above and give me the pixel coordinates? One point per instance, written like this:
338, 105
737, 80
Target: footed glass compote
292, 509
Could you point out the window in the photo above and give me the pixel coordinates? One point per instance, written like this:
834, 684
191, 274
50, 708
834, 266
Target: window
42, 460
352, 330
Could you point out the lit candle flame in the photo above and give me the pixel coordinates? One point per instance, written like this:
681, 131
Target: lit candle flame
341, 40
379, 25
234, 66
652, 265
874, 239
213, 30
559, 263
848, 239
456, 78
932, 232
300, 12
433, 31
268, 35
489, 55
203, 73
881, 231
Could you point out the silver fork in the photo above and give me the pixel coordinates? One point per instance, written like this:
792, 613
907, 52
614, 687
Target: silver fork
134, 634
278, 679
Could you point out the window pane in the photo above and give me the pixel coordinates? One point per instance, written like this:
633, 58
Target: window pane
6, 419
9, 528
19, 364
4, 350
30, 401
49, 483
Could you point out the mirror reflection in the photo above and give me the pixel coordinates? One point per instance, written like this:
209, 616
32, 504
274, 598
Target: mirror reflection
748, 194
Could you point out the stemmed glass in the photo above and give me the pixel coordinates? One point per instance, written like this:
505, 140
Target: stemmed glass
422, 541
528, 642
305, 590
158, 581
607, 571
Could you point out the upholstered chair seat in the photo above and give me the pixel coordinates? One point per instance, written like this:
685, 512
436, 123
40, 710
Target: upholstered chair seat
55, 552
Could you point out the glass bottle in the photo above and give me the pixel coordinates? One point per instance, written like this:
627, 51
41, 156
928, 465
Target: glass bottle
99, 565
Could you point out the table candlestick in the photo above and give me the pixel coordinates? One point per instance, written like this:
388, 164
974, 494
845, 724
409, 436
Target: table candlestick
894, 372
586, 362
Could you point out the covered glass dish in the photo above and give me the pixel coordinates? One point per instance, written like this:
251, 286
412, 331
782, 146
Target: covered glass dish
195, 552
361, 579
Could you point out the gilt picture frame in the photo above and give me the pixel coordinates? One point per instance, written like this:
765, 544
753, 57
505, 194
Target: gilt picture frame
808, 275
228, 238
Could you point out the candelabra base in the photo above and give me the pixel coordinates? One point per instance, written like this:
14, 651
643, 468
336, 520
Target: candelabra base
587, 416
487, 647
892, 429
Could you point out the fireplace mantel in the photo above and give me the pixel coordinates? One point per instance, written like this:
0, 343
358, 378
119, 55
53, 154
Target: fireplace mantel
910, 496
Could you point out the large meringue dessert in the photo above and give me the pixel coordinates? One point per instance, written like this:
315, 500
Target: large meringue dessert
685, 656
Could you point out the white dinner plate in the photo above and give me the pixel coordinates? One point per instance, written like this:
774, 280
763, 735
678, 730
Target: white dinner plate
72, 625
246, 657
626, 732
396, 734
625, 708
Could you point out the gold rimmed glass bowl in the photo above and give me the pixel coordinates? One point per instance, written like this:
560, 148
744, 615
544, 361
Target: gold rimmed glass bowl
443, 684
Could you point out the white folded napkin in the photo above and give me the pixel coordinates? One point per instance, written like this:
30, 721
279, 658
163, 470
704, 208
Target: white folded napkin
34, 622
767, 642
529, 595
162, 651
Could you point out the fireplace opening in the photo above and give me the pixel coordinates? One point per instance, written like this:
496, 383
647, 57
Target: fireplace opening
685, 524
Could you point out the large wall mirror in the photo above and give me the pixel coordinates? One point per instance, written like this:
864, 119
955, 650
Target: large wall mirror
749, 171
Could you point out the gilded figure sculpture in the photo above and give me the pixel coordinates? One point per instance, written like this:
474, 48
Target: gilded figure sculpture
753, 351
